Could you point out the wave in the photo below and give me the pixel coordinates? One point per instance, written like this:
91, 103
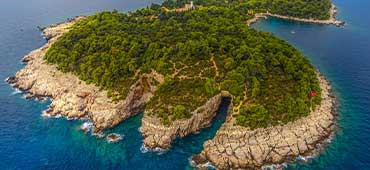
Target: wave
196, 132
98, 134
304, 158
46, 114
157, 150
24, 96
16, 91
87, 127
207, 165
272, 167
144, 149
42, 99
71, 118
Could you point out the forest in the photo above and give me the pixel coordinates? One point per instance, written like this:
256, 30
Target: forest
315, 9
200, 52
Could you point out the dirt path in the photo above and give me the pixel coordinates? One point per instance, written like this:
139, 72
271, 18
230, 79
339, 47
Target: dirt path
215, 66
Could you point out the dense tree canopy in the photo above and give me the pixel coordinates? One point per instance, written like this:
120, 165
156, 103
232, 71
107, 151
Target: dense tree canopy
200, 52
317, 9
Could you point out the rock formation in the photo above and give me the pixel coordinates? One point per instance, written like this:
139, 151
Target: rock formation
331, 21
74, 98
158, 135
236, 147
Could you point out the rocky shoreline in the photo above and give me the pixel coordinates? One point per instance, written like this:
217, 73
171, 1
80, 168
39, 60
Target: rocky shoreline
331, 21
73, 98
157, 135
236, 147
233, 147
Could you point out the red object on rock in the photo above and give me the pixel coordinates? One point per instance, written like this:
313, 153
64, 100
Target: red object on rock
313, 94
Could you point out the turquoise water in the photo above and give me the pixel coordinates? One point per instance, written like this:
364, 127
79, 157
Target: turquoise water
343, 56
28, 141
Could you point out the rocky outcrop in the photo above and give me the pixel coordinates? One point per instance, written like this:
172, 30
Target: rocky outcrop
74, 98
158, 135
236, 147
114, 137
331, 21
106, 116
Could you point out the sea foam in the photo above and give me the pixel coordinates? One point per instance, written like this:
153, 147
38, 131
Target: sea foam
87, 127
157, 150
271, 167
207, 165
16, 91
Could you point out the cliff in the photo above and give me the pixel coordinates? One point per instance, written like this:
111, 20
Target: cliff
74, 98
159, 135
236, 147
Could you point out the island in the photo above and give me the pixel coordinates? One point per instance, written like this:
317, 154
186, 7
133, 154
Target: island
176, 62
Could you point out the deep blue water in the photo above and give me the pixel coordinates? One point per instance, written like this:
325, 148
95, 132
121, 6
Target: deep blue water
30, 142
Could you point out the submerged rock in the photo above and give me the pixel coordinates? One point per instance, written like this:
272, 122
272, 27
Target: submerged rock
114, 137
11, 80
99, 134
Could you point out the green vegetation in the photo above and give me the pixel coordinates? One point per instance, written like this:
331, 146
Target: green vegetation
200, 52
317, 9
255, 116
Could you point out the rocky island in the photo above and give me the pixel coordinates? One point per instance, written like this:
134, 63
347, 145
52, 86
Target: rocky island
176, 66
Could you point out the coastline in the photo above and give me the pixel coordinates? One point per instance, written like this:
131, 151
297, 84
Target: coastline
157, 135
236, 147
331, 21
73, 98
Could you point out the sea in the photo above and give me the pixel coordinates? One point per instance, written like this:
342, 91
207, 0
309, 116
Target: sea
29, 141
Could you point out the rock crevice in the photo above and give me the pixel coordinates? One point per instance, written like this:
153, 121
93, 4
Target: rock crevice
236, 147
159, 135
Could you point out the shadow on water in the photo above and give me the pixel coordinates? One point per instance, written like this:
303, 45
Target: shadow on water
198, 139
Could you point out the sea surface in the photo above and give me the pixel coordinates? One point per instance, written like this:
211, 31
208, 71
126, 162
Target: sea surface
31, 142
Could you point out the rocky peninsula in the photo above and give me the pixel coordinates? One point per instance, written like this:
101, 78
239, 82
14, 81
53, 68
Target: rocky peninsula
111, 66
236, 147
73, 98
158, 135
331, 21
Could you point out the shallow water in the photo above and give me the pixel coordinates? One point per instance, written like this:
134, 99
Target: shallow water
29, 141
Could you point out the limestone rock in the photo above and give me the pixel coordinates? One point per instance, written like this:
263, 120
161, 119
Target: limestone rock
74, 98
236, 147
158, 135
